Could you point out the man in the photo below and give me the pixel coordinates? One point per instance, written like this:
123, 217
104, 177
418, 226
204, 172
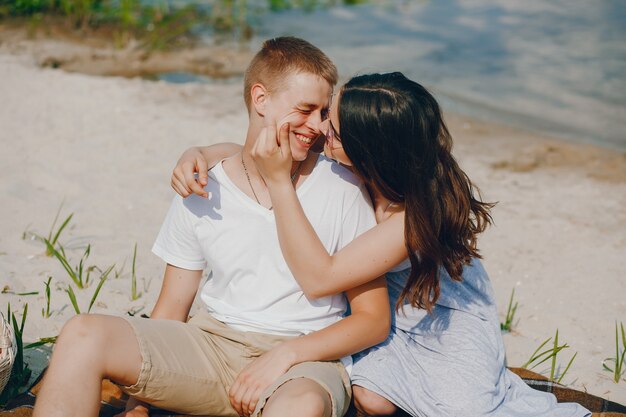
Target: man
218, 363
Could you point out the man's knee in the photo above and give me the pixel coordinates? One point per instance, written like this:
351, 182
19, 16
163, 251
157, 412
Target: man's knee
82, 328
372, 404
302, 397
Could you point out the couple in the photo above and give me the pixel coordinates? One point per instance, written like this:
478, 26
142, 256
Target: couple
275, 344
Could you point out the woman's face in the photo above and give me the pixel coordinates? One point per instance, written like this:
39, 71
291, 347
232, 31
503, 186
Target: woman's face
333, 148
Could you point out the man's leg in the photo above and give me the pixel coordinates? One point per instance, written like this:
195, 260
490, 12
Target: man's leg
89, 349
316, 389
299, 397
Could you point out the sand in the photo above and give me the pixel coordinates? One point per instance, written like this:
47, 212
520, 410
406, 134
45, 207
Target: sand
104, 147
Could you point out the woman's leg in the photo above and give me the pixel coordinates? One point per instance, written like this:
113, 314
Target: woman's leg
371, 404
89, 349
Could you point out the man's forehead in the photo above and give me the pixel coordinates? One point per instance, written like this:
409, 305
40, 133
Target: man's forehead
303, 79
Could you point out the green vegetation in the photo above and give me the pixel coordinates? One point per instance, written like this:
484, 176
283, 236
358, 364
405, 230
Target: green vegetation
53, 237
20, 372
157, 24
80, 273
7, 290
134, 295
70, 291
617, 368
52, 240
510, 314
537, 358
45, 312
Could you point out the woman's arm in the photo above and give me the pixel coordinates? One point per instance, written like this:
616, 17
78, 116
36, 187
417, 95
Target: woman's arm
367, 325
199, 160
319, 274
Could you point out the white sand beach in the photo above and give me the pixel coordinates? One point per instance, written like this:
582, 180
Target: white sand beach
105, 147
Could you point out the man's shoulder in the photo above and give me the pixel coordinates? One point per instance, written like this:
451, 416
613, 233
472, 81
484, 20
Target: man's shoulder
328, 170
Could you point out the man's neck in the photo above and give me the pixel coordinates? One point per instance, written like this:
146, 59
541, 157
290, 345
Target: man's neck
296, 166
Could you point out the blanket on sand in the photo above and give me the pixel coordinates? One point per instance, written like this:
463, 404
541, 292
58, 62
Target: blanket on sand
113, 400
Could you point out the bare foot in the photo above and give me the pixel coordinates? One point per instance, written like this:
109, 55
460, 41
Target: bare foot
138, 411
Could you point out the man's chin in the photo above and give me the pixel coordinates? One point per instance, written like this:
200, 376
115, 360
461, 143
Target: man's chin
299, 154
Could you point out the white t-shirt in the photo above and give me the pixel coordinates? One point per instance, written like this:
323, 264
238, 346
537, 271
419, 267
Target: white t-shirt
250, 286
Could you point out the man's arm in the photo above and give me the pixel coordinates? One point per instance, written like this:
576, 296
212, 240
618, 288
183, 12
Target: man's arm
367, 325
199, 160
178, 291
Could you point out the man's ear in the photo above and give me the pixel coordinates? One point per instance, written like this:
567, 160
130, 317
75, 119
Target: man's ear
259, 96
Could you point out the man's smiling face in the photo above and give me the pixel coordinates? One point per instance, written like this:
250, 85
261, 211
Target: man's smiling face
303, 103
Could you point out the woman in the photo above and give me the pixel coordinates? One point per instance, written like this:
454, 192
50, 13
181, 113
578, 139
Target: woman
445, 355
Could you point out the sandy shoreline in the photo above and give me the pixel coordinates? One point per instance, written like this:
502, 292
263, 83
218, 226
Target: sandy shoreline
106, 147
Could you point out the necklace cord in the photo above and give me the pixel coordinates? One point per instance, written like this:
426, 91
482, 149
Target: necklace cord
245, 170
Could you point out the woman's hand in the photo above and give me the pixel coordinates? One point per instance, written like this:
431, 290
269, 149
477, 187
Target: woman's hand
272, 154
183, 181
257, 376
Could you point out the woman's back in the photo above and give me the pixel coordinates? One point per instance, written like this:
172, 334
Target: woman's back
472, 295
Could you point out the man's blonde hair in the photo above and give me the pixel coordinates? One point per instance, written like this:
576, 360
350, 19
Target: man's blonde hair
281, 57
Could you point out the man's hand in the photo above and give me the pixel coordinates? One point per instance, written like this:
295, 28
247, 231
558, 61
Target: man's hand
183, 180
257, 376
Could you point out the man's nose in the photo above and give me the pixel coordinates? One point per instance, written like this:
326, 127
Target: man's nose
315, 121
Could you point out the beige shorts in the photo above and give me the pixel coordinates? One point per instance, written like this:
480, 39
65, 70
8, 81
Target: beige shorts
189, 367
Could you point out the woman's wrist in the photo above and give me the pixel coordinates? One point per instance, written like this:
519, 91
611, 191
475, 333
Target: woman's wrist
279, 183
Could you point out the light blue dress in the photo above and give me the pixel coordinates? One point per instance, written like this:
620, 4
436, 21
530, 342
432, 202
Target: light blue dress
452, 362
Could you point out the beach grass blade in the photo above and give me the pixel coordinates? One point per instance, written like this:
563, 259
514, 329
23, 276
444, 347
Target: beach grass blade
46, 312
537, 357
533, 356
70, 293
53, 239
133, 279
79, 274
567, 368
620, 355
60, 255
7, 290
53, 236
43, 341
555, 345
510, 314
103, 278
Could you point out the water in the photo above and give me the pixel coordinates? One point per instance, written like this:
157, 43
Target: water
557, 67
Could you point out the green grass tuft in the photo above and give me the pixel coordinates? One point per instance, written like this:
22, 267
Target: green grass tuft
537, 358
617, 368
20, 372
134, 295
79, 274
45, 312
510, 314
70, 291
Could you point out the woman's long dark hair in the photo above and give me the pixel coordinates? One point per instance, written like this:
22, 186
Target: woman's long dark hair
393, 132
